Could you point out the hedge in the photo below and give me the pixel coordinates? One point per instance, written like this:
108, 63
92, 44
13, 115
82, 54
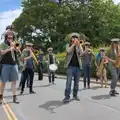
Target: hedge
61, 70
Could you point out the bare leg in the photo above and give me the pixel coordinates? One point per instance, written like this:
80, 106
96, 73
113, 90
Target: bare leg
105, 77
13, 86
2, 87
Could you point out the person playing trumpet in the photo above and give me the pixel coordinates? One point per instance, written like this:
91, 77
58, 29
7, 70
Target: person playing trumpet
111, 56
87, 57
103, 76
73, 64
8, 63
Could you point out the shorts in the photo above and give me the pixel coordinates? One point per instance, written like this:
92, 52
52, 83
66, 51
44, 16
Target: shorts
9, 73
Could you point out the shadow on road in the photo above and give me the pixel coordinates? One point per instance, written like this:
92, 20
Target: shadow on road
51, 106
95, 87
99, 97
41, 86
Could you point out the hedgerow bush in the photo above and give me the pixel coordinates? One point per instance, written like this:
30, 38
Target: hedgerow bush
61, 70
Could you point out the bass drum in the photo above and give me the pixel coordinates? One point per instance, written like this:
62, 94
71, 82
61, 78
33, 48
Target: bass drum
53, 67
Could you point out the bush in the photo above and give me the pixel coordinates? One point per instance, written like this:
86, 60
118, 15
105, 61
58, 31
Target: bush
61, 70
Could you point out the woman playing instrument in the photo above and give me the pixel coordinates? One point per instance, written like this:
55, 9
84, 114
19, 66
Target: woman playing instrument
87, 60
111, 56
8, 63
99, 58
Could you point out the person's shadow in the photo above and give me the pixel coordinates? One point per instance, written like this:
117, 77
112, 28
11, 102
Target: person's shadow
96, 87
99, 97
51, 106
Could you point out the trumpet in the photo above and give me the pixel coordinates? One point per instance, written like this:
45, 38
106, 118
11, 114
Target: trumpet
89, 51
81, 42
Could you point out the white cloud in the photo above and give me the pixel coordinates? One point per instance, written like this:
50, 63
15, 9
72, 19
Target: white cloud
116, 1
6, 18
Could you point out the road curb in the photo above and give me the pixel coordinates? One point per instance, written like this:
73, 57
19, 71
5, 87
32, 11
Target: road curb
92, 81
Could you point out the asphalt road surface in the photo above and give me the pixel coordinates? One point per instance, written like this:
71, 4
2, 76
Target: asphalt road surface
46, 104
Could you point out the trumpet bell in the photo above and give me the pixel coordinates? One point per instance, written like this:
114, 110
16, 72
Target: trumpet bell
105, 61
81, 42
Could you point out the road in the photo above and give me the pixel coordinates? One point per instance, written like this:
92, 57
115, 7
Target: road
46, 104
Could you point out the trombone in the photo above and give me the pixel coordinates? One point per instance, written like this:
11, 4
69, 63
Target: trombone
36, 52
34, 56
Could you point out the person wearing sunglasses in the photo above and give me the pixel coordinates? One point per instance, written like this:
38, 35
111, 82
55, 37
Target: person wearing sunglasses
111, 55
8, 62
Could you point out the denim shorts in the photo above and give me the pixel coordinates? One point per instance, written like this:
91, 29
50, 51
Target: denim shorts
9, 73
16, 66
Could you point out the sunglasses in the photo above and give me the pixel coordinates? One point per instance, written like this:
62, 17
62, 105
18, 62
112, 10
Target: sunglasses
9, 38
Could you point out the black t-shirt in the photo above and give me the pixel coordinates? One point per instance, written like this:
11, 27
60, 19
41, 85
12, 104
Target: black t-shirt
7, 58
74, 60
51, 59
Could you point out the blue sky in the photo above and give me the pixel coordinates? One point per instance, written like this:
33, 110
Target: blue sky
6, 5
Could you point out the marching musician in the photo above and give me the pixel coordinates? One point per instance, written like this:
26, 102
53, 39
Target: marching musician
51, 59
8, 65
40, 66
73, 65
111, 55
87, 57
29, 68
103, 76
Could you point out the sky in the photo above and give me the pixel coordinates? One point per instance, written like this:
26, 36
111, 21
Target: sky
10, 10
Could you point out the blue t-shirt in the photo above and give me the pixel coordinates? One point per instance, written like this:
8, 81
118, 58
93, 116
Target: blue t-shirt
40, 57
30, 63
98, 58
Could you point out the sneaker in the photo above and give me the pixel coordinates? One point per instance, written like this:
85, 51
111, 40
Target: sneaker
65, 100
21, 92
76, 98
116, 92
112, 93
32, 92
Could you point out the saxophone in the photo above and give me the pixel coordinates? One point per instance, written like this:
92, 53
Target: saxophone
101, 66
117, 61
